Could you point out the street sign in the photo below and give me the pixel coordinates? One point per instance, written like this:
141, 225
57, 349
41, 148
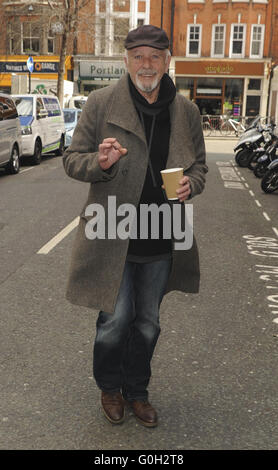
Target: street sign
30, 64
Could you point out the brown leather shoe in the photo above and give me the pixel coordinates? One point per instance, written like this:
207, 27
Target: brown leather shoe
113, 407
144, 413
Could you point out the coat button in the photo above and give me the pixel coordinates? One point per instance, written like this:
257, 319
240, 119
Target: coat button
124, 172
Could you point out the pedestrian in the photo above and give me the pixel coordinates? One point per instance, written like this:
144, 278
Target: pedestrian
127, 133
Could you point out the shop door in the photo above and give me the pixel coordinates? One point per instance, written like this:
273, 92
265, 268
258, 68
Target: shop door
212, 106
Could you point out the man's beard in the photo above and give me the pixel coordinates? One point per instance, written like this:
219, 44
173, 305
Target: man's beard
149, 87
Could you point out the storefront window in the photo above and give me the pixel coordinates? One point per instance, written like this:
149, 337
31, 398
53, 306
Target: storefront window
209, 86
233, 97
185, 86
254, 84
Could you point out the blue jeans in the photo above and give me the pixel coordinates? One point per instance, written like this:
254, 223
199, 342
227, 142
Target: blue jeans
125, 340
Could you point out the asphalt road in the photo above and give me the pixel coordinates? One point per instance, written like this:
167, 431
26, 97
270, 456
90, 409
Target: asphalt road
214, 378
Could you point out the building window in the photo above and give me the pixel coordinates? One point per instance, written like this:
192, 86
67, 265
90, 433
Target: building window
257, 41
100, 38
121, 5
30, 38
218, 40
237, 44
194, 34
254, 84
121, 28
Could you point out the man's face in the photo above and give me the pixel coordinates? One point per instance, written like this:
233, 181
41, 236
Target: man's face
146, 67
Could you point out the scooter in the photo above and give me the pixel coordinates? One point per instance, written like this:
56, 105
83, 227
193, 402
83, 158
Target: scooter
269, 182
245, 147
269, 138
254, 126
264, 160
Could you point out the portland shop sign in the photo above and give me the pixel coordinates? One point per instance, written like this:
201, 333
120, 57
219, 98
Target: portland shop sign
95, 70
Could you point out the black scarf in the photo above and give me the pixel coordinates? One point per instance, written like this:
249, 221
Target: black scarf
155, 120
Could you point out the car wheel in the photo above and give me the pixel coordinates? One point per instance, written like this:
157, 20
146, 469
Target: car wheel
36, 158
14, 163
61, 148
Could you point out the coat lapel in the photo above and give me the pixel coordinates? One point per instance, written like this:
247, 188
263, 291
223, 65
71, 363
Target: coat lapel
181, 149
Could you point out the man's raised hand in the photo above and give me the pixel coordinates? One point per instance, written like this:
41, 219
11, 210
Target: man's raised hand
110, 151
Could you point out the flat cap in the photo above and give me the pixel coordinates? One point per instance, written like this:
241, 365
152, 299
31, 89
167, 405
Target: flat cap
147, 35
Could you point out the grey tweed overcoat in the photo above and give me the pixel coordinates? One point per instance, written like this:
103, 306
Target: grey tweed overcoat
97, 265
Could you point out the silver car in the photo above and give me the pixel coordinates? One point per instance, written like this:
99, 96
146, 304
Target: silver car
71, 116
10, 135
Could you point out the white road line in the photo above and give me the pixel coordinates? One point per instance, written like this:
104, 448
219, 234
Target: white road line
26, 169
258, 203
266, 216
247, 185
275, 230
59, 237
251, 192
243, 179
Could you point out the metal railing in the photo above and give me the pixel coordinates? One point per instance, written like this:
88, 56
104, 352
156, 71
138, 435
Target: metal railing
228, 126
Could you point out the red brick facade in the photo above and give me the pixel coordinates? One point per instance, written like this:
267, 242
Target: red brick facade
207, 13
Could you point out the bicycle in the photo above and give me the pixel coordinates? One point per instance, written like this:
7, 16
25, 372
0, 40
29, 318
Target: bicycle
231, 126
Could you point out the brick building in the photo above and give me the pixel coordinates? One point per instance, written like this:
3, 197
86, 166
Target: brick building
221, 52
99, 58
28, 28
33, 27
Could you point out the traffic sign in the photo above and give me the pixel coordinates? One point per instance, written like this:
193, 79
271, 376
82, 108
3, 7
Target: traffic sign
30, 64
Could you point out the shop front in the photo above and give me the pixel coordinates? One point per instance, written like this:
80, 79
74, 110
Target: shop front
232, 88
45, 71
91, 73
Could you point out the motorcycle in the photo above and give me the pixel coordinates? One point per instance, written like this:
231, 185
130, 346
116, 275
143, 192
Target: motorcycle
263, 161
269, 138
269, 183
251, 143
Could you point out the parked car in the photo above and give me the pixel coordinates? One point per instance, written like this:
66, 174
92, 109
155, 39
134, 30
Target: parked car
10, 135
71, 116
42, 125
77, 101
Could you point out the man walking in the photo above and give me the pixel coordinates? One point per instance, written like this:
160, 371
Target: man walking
127, 134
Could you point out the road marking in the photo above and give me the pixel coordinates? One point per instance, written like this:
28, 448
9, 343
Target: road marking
267, 272
59, 237
229, 176
233, 185
266, 216
247, 185
258, 203
251, 192
26, 169
223, 164
275, 230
